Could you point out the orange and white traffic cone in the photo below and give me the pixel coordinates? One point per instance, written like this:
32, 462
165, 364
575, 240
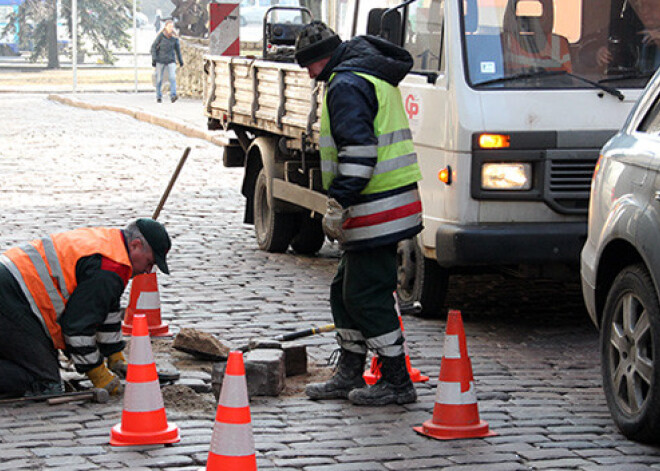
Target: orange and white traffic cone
373, 374
455, 414
143, 419
145, 300
232, 442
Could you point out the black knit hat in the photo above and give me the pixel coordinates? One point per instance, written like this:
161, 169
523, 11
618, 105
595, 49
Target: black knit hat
158, 239
315, 42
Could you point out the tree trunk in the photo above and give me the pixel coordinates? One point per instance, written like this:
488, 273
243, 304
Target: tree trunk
53, 58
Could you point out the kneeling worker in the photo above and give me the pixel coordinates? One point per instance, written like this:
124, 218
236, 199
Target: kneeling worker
63, 292
369, 169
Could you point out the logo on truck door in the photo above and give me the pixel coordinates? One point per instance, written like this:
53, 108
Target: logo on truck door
413, 107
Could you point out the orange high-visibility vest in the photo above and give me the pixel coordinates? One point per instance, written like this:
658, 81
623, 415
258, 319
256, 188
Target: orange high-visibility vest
45, 269
554, 56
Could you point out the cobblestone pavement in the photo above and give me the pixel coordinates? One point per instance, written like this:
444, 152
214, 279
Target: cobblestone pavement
533, 350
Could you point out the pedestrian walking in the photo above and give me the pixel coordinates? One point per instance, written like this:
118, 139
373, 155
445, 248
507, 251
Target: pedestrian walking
62, 292
369, 169
163, 51
158, 20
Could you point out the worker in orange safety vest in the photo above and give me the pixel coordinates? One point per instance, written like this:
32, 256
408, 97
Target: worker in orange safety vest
62, 292
528, 41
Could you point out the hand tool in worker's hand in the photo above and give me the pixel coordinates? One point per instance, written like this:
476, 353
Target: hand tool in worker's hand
290, 336
98, 395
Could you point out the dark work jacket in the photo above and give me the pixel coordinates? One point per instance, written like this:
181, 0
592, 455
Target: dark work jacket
164, 48
352, 106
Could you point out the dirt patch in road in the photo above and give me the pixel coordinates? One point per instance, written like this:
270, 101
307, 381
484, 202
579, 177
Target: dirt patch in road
295, 385
184, 399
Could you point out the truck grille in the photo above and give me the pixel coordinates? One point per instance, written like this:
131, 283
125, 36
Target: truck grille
568, 182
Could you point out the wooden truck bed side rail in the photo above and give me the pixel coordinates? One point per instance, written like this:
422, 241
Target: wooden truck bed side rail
275, 97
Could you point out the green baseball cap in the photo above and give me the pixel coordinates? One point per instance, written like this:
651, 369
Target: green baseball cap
157, 238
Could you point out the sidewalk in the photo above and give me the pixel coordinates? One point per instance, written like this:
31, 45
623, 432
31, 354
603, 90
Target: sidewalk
185, 116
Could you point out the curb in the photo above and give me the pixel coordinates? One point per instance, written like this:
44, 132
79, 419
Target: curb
167, 123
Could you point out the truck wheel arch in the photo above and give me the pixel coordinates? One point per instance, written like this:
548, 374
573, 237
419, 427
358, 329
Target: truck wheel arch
260, 154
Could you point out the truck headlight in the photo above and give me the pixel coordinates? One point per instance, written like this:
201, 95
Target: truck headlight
506, 176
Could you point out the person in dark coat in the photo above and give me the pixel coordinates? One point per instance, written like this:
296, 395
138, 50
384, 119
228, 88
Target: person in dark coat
370, 172
163, 58
62, 292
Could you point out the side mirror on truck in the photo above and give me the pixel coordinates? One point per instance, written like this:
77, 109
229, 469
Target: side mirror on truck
386, 23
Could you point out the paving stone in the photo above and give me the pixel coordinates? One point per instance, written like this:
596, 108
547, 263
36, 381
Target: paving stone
417, 463
484, 458
568, 463
366, 466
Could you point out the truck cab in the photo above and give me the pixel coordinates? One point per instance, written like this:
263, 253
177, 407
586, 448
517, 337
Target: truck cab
509, 103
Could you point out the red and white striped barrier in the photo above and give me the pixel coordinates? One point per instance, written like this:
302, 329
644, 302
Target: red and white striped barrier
224, 27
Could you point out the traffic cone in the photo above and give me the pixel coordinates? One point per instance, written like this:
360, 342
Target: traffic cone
232, 442
455, 414
373, 374
145, 300
143, 419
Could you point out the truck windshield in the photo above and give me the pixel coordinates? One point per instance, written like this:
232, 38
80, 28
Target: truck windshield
613, 42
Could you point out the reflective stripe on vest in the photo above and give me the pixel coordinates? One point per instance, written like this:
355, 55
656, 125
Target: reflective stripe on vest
45, 269
396, 164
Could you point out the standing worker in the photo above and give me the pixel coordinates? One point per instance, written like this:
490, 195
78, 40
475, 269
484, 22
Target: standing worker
163, 49
63, 292
369, 169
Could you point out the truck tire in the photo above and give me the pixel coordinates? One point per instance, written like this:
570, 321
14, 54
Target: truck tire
274, 230
630, 357
310, 236
421, 282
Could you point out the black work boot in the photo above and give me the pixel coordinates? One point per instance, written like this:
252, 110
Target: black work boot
347, 377
394, 386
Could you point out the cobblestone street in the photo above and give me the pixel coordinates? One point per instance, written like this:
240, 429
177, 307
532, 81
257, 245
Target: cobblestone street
534, 351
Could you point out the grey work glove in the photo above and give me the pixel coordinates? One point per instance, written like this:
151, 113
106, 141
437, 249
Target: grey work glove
333, 220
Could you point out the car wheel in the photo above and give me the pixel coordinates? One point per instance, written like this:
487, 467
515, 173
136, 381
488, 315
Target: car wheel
630, 339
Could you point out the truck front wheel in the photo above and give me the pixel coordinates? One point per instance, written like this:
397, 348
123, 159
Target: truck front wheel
421, 282
274, 230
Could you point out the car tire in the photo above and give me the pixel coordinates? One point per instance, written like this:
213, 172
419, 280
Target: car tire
630, 354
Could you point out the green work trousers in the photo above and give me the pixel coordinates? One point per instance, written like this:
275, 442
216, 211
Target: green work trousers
362, 295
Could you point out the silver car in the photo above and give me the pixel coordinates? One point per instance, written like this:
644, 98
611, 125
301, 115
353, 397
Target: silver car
620, 268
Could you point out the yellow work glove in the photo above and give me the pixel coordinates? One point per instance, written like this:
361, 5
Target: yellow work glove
101, 377
117, 364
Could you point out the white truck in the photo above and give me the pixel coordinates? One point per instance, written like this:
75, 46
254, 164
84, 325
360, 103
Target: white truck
509, 103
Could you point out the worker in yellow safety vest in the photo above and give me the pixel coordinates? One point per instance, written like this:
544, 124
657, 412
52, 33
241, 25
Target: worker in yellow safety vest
62, 292
369, 169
